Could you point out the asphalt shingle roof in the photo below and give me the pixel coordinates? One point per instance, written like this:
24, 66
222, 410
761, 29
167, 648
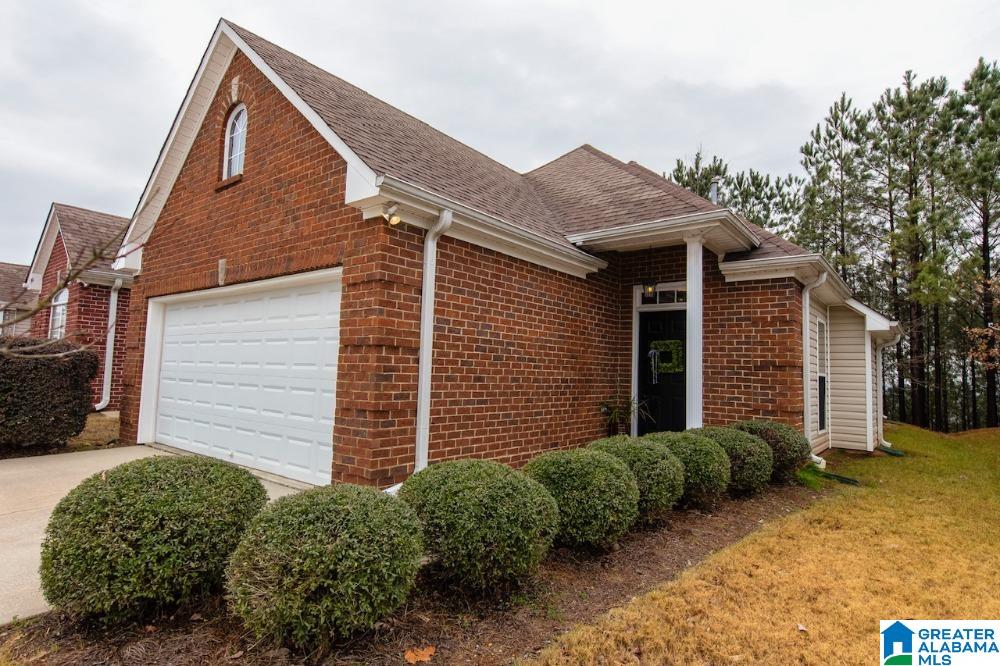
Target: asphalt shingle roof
85, 232
583, 190
12, 277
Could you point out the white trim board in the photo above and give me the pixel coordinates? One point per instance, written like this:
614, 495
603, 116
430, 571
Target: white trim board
637, 309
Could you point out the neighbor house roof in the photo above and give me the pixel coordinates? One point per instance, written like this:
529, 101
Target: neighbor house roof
85, 232
90, 238
12, 277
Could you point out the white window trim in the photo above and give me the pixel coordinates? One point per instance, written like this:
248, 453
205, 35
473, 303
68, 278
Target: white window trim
225, 150
60, 303
637, 308
825, 372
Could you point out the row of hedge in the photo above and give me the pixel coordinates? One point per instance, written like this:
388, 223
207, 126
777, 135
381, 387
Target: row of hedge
325, 563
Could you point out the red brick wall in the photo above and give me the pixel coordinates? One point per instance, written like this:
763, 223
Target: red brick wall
287, 215
87, 321
523, 356
752, 349
52, 275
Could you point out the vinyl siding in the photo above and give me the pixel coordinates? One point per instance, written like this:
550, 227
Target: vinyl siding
850, 390
820, 441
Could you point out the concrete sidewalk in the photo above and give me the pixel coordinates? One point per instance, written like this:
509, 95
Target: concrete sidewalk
30, 488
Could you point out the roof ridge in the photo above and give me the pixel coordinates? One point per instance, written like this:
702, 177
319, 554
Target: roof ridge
670, 186
555, 159
56, 204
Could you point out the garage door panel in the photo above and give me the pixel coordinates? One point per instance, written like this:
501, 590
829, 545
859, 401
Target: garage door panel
252, 379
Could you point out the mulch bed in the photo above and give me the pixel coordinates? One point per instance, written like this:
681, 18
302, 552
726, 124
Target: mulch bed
569, 589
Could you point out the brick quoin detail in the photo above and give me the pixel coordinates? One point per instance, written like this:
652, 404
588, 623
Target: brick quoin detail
523, 355
87, 321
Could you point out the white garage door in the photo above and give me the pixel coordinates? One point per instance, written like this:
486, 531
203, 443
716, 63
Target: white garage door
250, 378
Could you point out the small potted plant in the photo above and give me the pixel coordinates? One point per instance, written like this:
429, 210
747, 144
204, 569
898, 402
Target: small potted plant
618, 412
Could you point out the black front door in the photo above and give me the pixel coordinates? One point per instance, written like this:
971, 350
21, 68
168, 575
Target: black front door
661, 371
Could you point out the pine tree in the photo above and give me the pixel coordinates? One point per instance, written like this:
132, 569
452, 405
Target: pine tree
974, 172
832, 220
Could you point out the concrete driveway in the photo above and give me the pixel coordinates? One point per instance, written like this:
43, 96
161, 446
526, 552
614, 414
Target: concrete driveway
29, 490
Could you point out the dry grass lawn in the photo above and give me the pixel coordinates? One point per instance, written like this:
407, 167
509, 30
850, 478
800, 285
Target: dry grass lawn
920, 539
101, 432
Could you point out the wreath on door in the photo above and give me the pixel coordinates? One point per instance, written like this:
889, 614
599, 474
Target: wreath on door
669, 355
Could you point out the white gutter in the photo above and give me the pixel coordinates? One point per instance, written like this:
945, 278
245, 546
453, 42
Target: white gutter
109, 347
806, 398
425, 361
881, 392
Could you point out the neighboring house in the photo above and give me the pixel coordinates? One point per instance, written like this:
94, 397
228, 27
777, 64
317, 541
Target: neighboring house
89, 299
327, 287
15, 301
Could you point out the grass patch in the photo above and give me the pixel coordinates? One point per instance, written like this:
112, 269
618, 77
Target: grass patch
101, 432
810, 477
918, 540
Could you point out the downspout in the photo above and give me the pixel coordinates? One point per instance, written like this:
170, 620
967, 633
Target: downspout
427, 338
881, 392
806, 411
109, 347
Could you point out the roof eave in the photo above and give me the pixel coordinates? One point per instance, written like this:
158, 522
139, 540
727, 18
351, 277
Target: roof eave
722, 230
419, 206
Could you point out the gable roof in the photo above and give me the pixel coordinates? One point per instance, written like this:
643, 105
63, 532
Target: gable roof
395, 143
84, 233
12, 277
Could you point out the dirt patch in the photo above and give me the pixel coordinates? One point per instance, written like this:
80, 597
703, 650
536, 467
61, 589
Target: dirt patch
570, 588
101, 432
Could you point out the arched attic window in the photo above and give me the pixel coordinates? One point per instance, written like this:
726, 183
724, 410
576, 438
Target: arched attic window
57, 316
236, 142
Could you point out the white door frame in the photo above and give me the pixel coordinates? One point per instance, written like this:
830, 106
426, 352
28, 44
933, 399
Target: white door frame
156, 310
637, 308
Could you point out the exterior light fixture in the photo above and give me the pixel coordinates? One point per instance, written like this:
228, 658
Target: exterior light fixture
649, 289
391, 216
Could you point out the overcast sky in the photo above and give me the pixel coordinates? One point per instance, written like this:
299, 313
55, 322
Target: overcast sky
88, 88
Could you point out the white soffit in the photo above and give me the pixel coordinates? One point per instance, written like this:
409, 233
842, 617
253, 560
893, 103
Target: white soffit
721, 231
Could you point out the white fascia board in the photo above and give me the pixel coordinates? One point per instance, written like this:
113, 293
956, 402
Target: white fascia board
106, 278
130, 254
418, 205
873, 320
644, 233
43, 251
803, 267
361, 179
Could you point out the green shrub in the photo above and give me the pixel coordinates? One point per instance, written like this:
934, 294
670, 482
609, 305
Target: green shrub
596, 493
750, 459
658, 473
487, 525
44, 399
323, 564
706, 466
146, 534
790, 448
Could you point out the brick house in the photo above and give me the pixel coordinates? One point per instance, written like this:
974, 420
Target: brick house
327, 288
89, 298
16, 302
